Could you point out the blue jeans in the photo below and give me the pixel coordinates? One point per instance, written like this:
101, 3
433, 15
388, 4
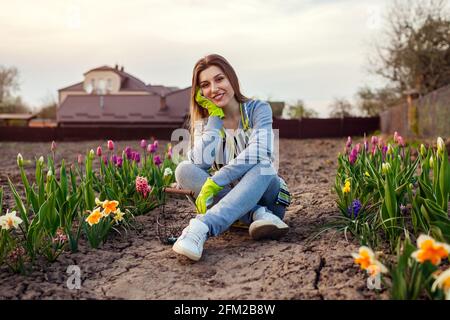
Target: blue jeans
233, 203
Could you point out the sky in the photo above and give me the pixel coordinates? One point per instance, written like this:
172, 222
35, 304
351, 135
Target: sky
282, 50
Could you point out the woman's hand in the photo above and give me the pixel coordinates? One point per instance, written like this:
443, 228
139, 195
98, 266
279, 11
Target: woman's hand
212, 108
205, 198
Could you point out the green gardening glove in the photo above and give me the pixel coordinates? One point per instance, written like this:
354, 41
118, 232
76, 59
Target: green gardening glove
205, 198
212, 108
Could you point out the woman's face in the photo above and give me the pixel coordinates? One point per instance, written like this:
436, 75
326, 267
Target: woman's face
215, 86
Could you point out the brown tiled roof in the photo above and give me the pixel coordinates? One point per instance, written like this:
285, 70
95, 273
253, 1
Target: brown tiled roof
123, 108
161, 90
74, 87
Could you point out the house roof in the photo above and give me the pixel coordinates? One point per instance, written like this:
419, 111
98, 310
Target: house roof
128, 83
122, 109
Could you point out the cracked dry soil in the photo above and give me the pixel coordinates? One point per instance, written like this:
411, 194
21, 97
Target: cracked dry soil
136, 265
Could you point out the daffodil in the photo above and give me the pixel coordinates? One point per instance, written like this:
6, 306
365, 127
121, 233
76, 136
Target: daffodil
365, 257
430, 250
118, 216
386, 167
94, 217
109, 206
443, 282
376, 268
440, 145
9, 220
367, 174
347, 187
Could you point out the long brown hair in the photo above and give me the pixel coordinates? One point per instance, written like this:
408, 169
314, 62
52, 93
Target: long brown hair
196, 111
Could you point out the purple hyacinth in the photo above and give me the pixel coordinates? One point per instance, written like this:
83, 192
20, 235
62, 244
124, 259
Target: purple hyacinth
119, 162
136, 157
114, 159
157, 160
354, 209
128, 153
353, 155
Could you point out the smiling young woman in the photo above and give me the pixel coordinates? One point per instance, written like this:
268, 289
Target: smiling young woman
230, 172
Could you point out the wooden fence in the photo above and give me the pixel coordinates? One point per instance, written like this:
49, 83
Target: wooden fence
290, 129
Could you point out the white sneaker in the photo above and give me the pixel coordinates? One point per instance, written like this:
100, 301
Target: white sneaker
190, 243
266, 225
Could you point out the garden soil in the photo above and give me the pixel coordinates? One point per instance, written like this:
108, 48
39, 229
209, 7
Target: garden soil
136, 265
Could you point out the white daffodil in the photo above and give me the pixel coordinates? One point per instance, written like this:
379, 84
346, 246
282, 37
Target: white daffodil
9, 220
443, 282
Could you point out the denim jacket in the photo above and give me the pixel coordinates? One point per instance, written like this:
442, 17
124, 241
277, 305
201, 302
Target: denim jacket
251, 144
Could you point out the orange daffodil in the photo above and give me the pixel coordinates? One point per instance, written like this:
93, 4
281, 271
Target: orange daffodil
94, 217
109, 206
430, 250
365, 258
443, 282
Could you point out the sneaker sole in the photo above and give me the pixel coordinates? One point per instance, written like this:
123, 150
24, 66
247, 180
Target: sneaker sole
267, 230
182, 251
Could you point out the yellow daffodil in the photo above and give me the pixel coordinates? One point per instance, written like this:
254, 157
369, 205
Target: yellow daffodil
94, 217
367, 174
376, 268
430, 250
9, 220
443, 282
118, 216
346, 188
365, 257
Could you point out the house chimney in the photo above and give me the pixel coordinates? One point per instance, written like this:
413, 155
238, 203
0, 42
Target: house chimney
163, 105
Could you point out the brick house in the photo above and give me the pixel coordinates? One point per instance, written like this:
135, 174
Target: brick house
109, 96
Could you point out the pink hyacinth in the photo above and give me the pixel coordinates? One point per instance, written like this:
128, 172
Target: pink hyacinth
110, 145
119, 162
401, 141
142, 186
358, 147
99, 151
151, 148
143, 143
396, 135
155, 143
374, 140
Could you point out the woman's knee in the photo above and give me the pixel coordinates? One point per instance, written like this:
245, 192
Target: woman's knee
183, 171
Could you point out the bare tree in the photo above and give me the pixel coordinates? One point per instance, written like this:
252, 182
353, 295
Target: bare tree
298, 110
415, 51
371, 102
340, 108
8, 82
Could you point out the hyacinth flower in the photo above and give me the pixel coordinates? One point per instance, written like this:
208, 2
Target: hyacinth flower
136, 157
129, 153
119, 162
151, 148
353, 155
347, 187
443, 282
354, 209
114, 159
142, 186
157, 160
348, 145
430, 250
143, 144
